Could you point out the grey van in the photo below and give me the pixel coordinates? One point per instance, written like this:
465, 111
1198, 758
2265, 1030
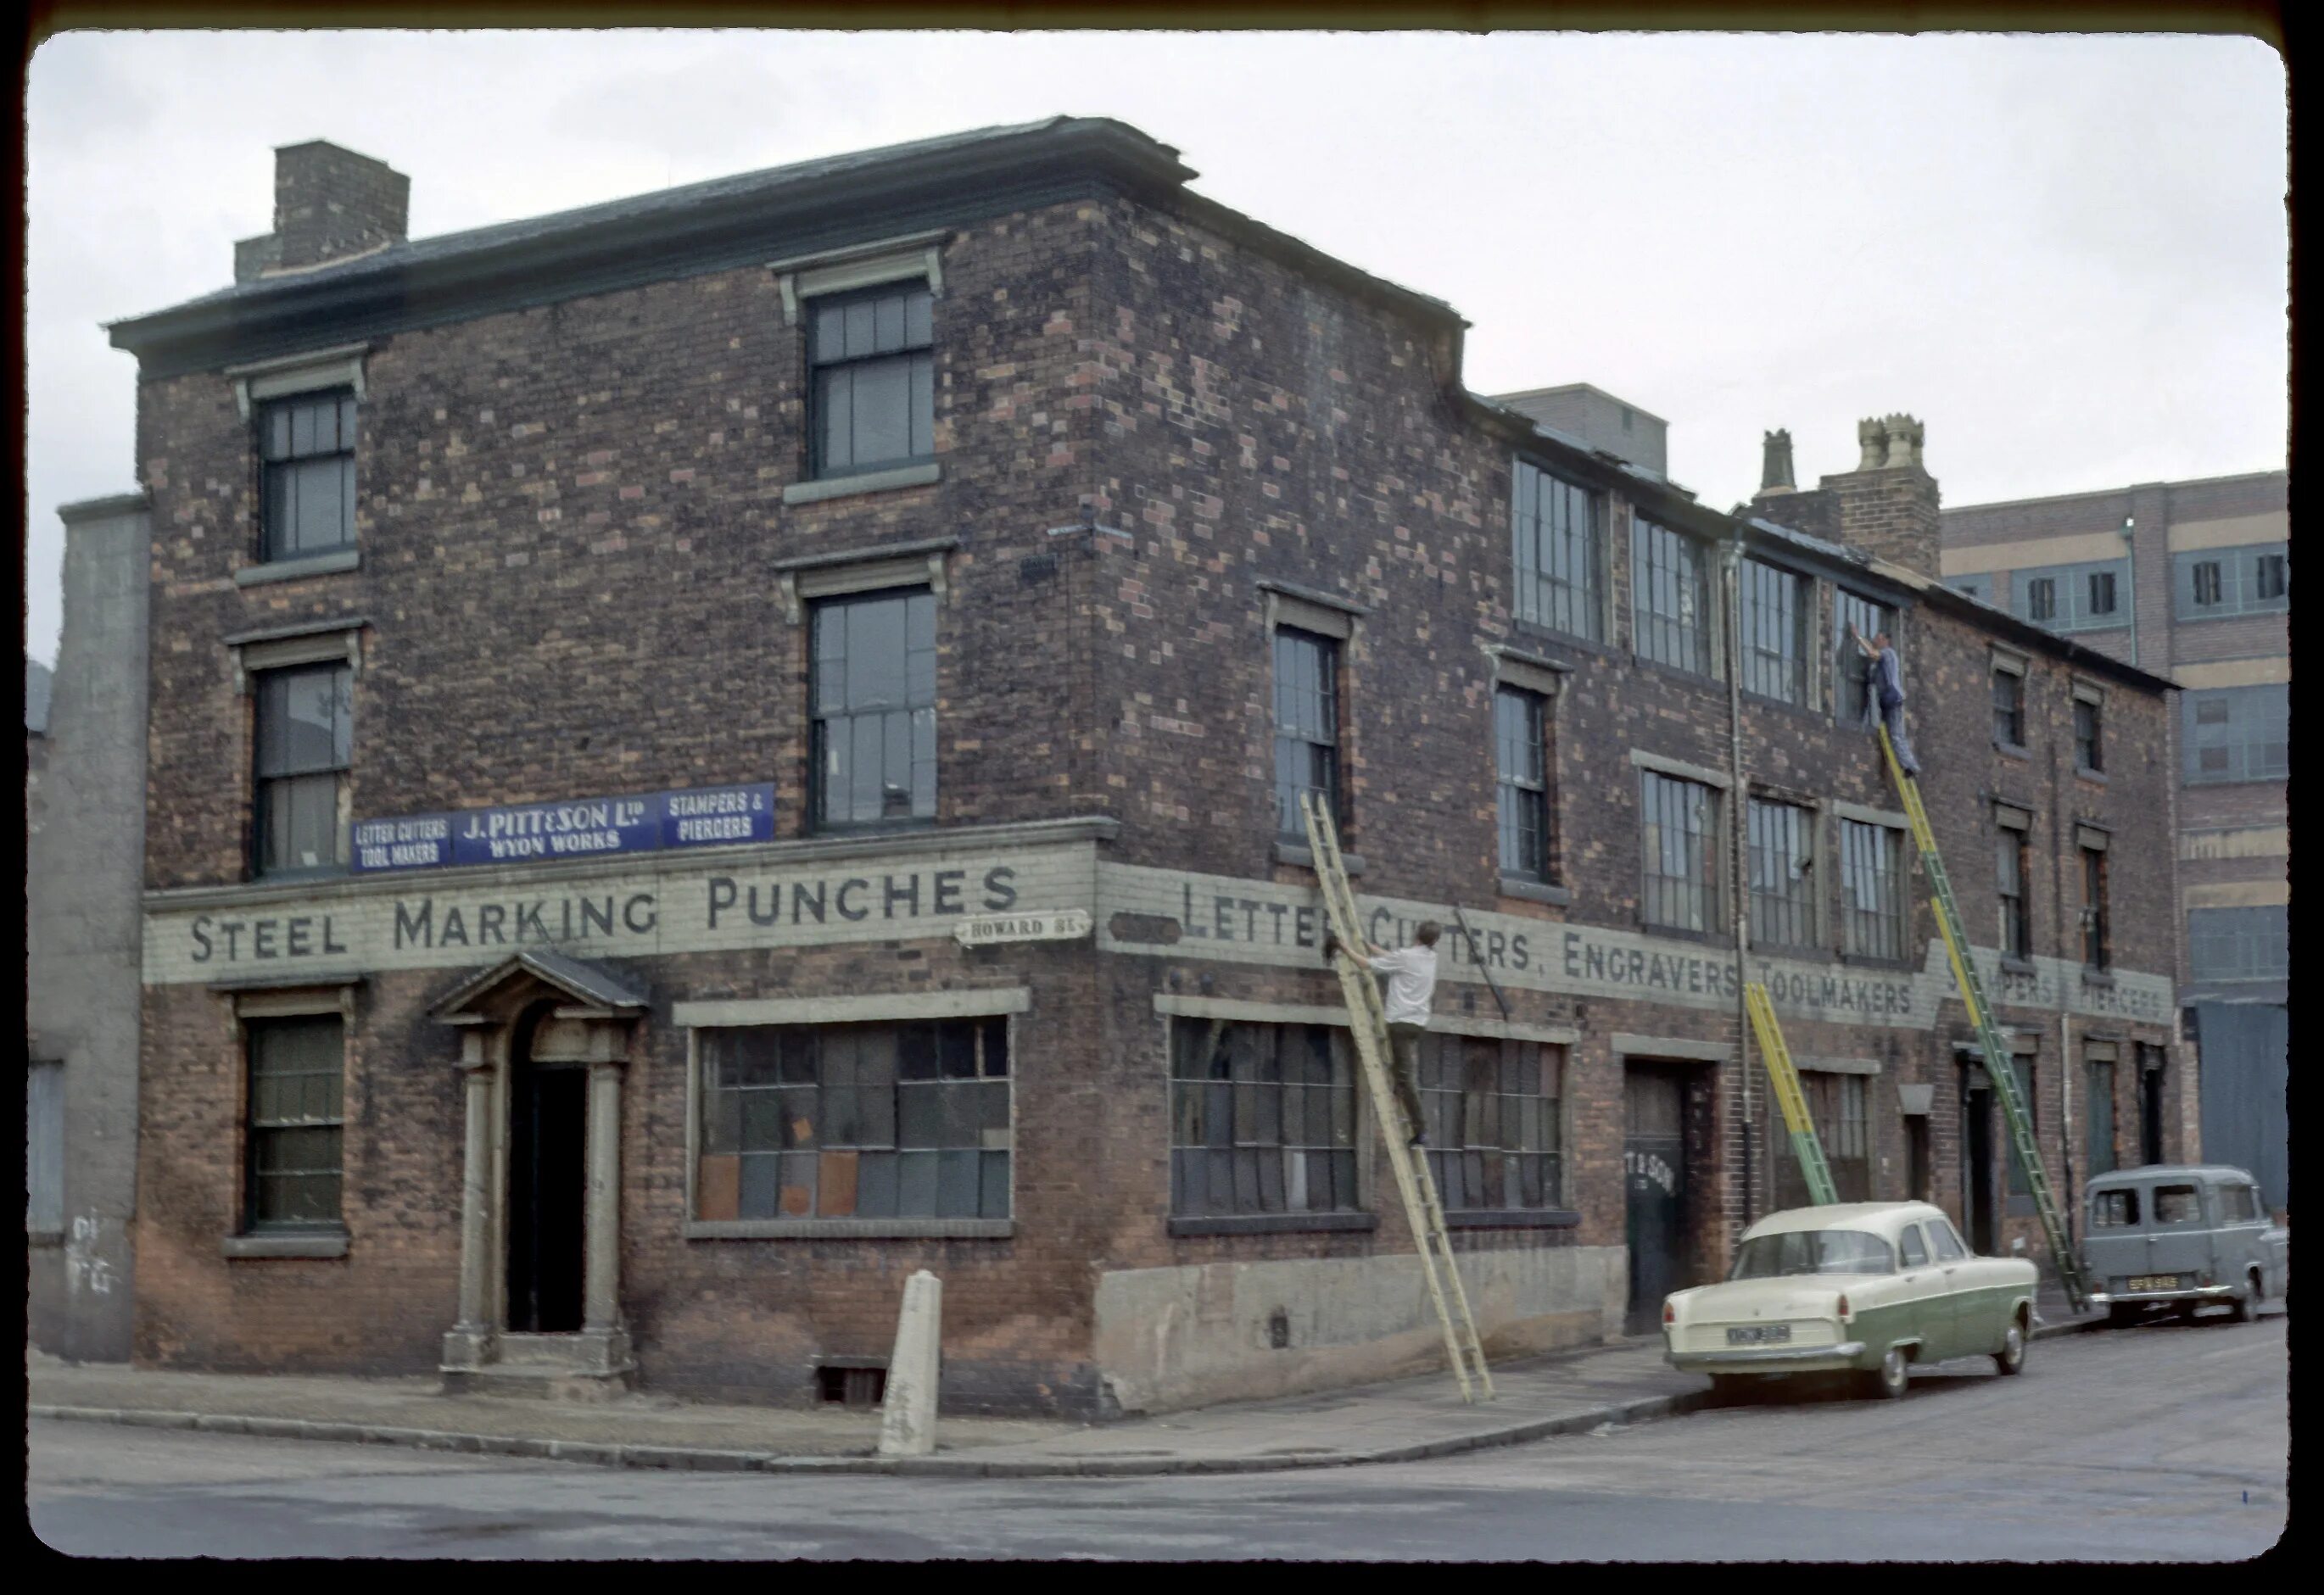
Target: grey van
2173, 1238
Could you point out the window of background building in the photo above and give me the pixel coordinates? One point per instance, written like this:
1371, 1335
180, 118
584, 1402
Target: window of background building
306, 742
1782, 845
1561, 529
2086, 597
1670, 593
1306, 726
2215, 583
307, 462
2008, 706
44, 1148
2239, 944
1492, 1107
297, 1068
2236, 733
2089, 749
1853, 669
1977, 586
1521, 744
1774, 632
1262, 1120
2097, 938
1837, 1107
877, 1121
874, 393
1679, 834
2098, 1092
874, 692
1872, 888
2009, 851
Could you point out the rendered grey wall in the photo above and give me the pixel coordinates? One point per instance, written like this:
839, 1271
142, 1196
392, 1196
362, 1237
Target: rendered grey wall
2246, 1068
84, 870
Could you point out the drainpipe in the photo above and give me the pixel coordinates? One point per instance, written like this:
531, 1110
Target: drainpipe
1738, 809
2065, 1109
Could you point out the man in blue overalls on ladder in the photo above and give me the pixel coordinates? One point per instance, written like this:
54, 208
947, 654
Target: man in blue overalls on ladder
1883, 695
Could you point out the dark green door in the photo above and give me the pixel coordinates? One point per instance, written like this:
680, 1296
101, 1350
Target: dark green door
1654, 1166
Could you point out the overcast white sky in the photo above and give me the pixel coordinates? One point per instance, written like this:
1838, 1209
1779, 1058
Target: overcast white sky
2066, 254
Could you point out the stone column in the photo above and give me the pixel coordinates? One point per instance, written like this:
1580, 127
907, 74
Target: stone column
469, 1342
601, 1321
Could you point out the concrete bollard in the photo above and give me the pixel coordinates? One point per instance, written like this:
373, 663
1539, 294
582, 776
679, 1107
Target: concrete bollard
907, 1419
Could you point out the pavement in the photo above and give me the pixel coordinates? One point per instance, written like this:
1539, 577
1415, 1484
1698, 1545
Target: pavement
1406, 1420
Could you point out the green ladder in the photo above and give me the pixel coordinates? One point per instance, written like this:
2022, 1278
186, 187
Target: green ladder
1368, 1021
1822, 1191
1998, 1069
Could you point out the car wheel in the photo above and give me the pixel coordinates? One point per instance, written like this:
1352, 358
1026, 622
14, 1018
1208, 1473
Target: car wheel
2245, 1306
1726, 1389
2122, 1315
2011, 1358
1887, 1382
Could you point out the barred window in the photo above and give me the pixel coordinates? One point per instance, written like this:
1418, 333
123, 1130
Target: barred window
2255, 579
1262, 1119
2239, 944
1782, 843
873, 757
307, 466
1679, 829
2009, 877
1560, 532
306, 742
874, 1120
873, 396
1492, 1107
2009, 707
1670, 598
296, 1067
1872, 886
2236, 733
1836, 1105
1774, 632
1521, 742
1306, 726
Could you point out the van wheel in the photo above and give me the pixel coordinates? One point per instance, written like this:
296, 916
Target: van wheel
1888, 1381
2245, 1306
2011, 1358
2122, 1315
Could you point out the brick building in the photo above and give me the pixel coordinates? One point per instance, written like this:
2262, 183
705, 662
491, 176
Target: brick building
714, 751
2191, 580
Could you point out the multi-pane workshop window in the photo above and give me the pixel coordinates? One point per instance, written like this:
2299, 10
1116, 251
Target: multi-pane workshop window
2090, 739
1521, 744
2009, 858
1853, 670
306, 465
1872, 889
1262, 1119
1836, 1107
874, 691
1782, 844
1670, 594
2236, 733
297, 1066
904, 1120
306, 742
1306, 726
2239, 944
2008, 704
1774, 632
1492, 1107
1679, 843
1560, 550
2097, 931
2218, 582
874, 383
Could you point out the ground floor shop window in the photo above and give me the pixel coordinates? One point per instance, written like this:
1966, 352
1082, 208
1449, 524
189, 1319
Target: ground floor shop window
882, 1121
296, 1069
1492, 1112
1835, 1107
1262, 1119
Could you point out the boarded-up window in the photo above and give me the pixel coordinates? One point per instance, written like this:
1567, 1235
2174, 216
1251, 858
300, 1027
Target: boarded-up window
44, 1148
1262, 1119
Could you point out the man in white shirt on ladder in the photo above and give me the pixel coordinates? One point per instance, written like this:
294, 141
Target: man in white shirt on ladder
1411, 982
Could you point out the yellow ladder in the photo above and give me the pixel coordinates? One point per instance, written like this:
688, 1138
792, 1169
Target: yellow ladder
1369, 1026
1788, 1095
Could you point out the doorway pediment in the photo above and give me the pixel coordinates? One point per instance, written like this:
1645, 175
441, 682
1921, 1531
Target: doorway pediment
580, 990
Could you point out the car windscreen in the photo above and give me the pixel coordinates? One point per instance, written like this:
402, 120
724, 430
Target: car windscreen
1813, 1252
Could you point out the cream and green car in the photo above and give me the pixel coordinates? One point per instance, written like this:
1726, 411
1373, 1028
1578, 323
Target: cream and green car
1864, 1288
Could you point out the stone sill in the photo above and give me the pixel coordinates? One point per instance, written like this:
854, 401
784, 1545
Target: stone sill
832, 487
1535, 892
1535, 634
2019, 965
849, 1228
1289, 852
2097, 977
292, 570
318, 1243
2011, 751
1868, 961
2096, 778
1273, 1223
1514, 1218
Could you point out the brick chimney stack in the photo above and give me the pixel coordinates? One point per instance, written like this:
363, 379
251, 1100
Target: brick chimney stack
1887, 506
330, 205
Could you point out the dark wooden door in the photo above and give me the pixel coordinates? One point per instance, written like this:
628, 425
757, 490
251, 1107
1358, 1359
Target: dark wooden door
547, 1197
1980, 1202
1653, 1165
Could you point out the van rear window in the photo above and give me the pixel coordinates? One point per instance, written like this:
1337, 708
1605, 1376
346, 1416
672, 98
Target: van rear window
2177, 1204
2114, 1210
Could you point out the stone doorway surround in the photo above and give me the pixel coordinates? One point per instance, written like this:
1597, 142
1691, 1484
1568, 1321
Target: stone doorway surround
591, 1019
